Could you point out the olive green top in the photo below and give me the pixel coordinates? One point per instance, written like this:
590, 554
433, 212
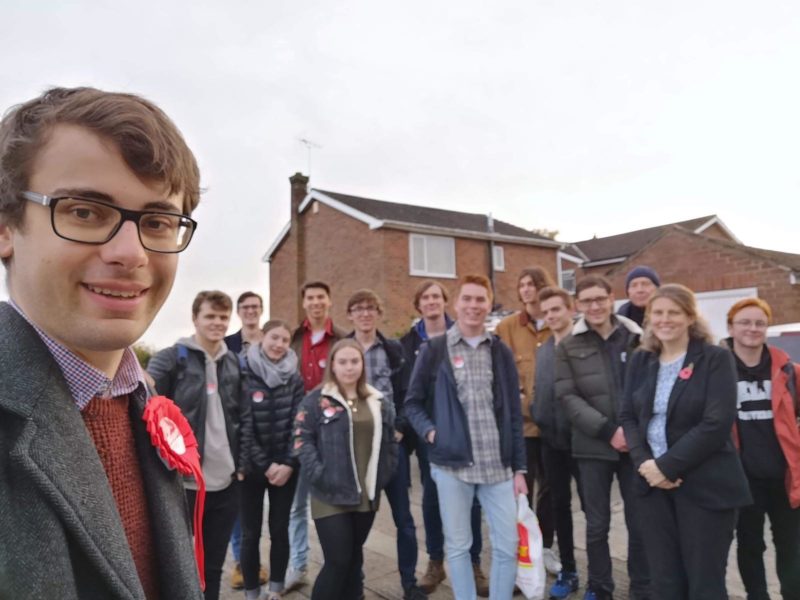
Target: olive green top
363, 429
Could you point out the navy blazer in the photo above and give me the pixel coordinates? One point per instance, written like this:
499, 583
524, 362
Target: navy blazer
432, 403
700, 416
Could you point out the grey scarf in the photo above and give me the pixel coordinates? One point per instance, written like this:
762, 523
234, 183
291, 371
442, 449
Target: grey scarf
274, 374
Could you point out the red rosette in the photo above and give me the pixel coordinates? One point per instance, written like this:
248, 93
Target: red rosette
175, 443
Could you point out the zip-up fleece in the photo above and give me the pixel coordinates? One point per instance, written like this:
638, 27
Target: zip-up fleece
323, 441
785, 418
432, 403
587, 390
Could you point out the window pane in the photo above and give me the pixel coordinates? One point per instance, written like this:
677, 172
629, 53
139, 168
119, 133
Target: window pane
417, 253
441, 255
499, 258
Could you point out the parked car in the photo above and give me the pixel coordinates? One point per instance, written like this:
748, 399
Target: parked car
786, 337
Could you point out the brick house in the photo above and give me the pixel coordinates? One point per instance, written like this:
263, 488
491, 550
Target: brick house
702, 254
352, 242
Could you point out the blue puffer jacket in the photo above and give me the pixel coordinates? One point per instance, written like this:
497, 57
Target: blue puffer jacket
432, 403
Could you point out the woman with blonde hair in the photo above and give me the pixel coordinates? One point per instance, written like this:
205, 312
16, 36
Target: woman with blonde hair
344, 436
678, 409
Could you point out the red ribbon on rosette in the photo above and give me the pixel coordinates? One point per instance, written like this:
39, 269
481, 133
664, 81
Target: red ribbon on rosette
174, 440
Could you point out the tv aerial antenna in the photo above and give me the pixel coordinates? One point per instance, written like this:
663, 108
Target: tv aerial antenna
310, 145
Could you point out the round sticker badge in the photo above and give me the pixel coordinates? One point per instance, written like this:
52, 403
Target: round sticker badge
211, 388
322, 363
458, 362
258, 396
329, 412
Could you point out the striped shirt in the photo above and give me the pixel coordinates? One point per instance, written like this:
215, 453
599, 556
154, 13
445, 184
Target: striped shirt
85, 381
472, 368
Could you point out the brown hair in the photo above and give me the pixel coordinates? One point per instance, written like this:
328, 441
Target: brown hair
330, 377
423, 287
480, 280
365, 295
684, 298
541, 278
747, 303
149, 142
274, 324
553, 292
218, 301
591, 281
315, 284
245, 295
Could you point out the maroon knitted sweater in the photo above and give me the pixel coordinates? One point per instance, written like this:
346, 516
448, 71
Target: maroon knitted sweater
109, 424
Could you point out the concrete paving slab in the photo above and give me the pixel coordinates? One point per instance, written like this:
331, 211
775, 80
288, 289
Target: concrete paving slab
382, 580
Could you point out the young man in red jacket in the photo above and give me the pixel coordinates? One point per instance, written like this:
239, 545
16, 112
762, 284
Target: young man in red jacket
768, 437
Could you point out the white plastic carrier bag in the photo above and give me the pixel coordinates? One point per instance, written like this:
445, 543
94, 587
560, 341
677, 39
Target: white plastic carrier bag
531, 576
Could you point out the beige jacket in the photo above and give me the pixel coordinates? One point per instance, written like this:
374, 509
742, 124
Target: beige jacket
519, 333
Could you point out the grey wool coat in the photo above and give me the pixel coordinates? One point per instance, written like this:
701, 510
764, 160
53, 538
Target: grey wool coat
60, 532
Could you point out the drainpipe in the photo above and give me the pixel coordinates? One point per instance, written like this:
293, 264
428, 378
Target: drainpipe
490, 229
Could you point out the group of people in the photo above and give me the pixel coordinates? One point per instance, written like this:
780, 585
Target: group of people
96, 195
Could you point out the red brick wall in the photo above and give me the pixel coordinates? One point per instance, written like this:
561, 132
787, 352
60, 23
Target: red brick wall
705, 265
346, 254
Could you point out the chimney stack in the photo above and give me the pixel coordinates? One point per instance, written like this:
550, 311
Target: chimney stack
297, 236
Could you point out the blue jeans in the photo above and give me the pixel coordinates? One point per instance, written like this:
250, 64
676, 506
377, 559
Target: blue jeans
434, 538
455, 503
397, 493
298, 526
236, 539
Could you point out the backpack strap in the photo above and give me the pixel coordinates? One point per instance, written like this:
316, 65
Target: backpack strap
183, 359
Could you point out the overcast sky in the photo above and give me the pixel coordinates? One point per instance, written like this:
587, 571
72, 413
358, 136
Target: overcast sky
588, 117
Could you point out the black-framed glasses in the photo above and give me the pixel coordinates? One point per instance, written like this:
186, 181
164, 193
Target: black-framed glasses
93, 222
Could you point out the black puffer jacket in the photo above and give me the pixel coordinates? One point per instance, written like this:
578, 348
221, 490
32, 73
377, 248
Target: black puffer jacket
587, 387
267, 434
324, 443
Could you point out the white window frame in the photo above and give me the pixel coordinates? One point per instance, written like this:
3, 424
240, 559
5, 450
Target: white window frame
563, 283
499, 258
425, 272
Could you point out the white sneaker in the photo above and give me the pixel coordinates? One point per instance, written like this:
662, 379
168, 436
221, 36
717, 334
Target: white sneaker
295, 578
551, 562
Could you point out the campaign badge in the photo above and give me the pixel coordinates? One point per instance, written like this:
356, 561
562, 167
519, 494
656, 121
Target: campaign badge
258, 396
458, 362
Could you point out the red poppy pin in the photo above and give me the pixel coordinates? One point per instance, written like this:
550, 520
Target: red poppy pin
686, 371
175, 443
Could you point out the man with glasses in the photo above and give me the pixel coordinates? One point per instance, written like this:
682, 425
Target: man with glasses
590, 376
95, 193
249, 308
385, 365
768, 437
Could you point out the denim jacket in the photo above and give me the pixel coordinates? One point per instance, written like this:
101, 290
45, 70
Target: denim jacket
323, 441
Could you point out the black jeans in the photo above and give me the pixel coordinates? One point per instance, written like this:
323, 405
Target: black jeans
560, 468
252, 506
769, 498
596, 477
219, 515
342, 539
539, 494
687, 546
